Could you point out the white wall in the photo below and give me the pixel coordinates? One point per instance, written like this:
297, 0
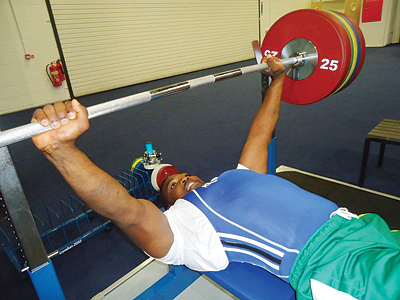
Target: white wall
377, 34
129, 42
386, 31
24, 83
274, 9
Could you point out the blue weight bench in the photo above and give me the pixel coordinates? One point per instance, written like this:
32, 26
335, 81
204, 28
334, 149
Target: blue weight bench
244, 281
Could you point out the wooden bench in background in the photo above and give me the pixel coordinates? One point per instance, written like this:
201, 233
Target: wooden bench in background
386, 132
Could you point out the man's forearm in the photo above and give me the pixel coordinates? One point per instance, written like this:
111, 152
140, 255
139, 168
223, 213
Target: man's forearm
255, 152
265, 121
94, 186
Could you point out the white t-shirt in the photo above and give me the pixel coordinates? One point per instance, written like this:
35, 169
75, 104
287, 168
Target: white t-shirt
196, 243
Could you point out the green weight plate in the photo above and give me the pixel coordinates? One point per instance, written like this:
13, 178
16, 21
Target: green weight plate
136, 163
358, 47
353, 45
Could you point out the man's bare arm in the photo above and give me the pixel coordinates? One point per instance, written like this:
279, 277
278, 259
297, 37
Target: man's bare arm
255, 152
140, 219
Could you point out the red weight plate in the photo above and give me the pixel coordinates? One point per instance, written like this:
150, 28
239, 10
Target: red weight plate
331, 42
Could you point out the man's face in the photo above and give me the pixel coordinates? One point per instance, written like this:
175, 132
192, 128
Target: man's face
178, 185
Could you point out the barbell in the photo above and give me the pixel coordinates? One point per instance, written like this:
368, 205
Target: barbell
322, 52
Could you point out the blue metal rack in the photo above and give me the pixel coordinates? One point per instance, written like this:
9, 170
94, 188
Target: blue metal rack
138, 183
11, 250
71, 226
73, 223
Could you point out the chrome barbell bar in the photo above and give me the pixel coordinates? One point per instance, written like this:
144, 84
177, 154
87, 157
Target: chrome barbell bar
27, 131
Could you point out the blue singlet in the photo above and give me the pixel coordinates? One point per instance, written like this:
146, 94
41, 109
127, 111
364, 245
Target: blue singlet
261, 219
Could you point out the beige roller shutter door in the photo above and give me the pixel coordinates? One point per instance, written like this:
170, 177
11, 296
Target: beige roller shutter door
111, 44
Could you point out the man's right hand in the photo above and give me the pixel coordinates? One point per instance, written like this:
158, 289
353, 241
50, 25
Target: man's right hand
276, 69
68, 119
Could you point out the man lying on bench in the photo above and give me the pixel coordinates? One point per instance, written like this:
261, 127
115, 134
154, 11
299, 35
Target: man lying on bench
243, 215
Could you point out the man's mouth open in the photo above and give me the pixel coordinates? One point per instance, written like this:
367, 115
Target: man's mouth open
192, 184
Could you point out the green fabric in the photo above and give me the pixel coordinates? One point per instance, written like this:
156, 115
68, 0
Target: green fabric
360, 257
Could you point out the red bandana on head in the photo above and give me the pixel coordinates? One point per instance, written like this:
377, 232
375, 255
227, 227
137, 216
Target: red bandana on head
161, 173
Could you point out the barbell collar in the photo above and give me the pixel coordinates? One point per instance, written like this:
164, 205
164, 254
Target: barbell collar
27, 131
